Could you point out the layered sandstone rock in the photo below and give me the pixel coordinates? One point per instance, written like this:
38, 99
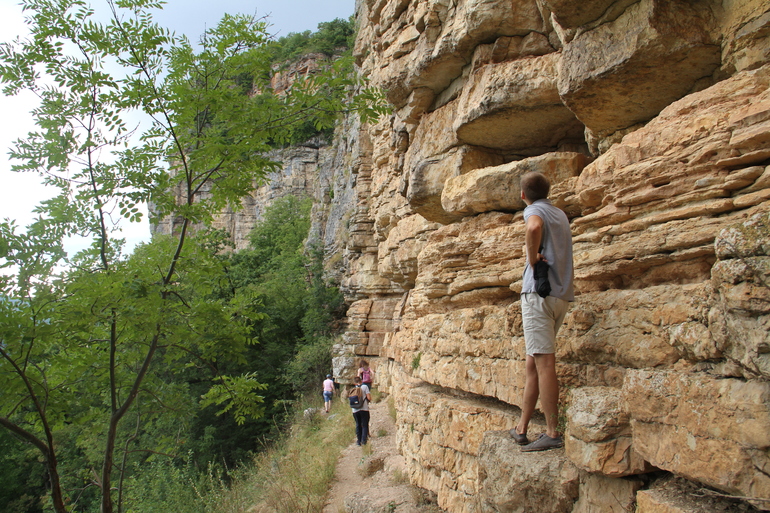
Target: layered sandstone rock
657, 52
515, 481
651, 119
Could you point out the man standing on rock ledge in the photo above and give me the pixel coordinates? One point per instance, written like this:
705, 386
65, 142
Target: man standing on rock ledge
548, 239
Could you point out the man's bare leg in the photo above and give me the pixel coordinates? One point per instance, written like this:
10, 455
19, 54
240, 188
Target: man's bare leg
531, 393
549, 391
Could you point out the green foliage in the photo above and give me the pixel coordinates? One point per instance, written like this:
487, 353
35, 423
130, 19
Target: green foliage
416, 361
300, 307
237, 394
311, 363
163, 486
296, 472
332, 38
22, 480
91, 345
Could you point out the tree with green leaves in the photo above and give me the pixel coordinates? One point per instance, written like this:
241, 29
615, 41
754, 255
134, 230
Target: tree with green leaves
332, 38
89, 343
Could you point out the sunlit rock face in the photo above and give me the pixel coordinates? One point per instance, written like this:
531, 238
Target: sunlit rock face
652, 120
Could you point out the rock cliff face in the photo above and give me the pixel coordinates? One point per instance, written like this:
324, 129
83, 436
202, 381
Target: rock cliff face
652, 120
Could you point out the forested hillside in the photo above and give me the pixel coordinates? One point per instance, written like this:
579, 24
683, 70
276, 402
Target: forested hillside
124, 373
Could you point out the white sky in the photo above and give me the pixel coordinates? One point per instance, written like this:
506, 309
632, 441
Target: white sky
21, 192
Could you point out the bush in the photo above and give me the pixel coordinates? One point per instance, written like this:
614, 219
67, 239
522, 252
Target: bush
310, 365
295, 474
164, 486
333, 38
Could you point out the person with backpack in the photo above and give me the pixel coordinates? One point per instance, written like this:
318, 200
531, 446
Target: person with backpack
328, 392
366, 373
359, 402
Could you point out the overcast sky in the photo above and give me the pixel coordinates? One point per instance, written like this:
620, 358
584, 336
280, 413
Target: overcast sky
20, 193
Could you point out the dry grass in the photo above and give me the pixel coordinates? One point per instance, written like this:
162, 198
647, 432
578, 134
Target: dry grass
295, 475
392, 408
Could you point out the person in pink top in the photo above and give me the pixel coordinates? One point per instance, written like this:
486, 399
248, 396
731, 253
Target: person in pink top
328, 393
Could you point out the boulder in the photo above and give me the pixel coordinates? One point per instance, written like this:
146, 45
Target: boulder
515, 105
498, 188
598, 437
434, 156
705, 428
606, 494
515, 481
665, 48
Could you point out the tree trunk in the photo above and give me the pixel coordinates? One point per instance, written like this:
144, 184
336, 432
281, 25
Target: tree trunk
51, 464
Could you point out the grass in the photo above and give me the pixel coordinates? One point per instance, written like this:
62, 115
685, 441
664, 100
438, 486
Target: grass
295, 474
400, 477
392, 408
416, 361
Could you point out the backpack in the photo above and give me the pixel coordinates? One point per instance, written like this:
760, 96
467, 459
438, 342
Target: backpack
366, 375
356, 398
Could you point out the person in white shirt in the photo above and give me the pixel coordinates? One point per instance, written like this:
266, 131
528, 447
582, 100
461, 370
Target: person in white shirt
328, 391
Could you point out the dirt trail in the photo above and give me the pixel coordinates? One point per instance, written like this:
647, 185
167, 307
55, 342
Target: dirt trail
374, 478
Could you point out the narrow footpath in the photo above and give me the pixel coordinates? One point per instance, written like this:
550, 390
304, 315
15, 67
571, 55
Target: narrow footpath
374, 478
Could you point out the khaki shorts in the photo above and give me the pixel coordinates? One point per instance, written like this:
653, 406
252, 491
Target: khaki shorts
542, 318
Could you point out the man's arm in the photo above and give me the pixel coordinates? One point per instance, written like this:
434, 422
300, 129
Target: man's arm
532, 238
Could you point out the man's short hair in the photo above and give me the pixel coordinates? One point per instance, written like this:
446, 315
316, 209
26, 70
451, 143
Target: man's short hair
535, 186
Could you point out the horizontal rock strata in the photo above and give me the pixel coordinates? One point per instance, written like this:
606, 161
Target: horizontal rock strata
650, 118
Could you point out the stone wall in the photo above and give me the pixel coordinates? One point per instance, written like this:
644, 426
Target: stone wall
652, 120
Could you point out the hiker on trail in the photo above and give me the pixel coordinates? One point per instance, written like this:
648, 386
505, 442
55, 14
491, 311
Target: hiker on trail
359, 402
546, 291
365, 373
328, 392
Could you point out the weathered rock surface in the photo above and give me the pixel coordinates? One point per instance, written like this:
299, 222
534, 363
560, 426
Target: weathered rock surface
665, 48
440, 433
670, 222
515, 105
710, 430
652, 119
600, 493
514, 481
673, 495
599, 437
498, 188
